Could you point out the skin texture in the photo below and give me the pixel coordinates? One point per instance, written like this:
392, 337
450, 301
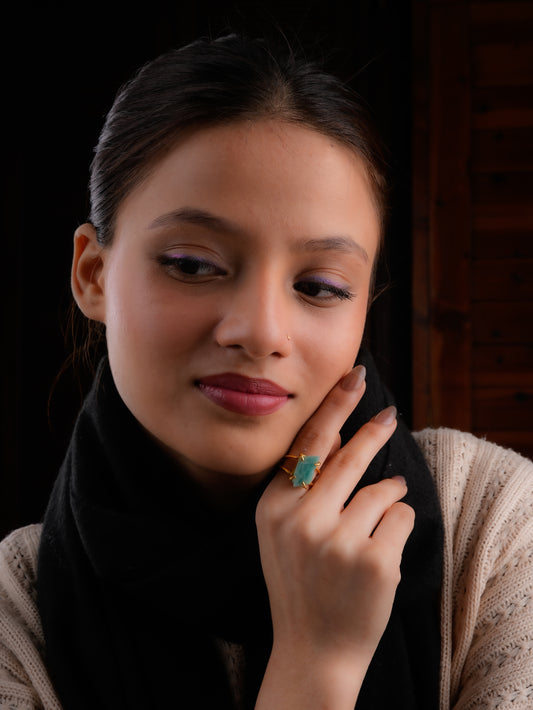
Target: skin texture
264, 272
331, 571
279, 186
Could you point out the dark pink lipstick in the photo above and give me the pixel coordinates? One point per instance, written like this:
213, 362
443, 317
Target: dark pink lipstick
244, 395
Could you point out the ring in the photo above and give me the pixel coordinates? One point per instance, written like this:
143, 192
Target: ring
304, 471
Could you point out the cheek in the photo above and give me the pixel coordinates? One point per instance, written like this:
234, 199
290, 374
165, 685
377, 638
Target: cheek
143, 314
332, 352
345, 337
128, 321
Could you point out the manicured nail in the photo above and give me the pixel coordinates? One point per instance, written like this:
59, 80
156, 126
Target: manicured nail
354, 379
386, 416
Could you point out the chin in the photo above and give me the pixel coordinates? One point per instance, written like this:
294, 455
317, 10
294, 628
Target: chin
242, 466
233, 460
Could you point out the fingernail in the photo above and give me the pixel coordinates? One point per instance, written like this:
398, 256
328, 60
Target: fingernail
354, 379
400, 479
386, 416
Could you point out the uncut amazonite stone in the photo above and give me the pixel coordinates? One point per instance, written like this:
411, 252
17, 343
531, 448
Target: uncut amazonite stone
305, 470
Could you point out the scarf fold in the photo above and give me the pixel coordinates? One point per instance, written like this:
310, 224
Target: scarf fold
139, 576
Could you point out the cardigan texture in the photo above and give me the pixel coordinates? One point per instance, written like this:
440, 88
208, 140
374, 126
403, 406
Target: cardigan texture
486, 495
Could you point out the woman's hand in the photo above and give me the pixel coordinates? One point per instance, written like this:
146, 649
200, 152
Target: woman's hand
331, 571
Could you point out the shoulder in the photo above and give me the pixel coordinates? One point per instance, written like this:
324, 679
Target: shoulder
486, 494
452, 450
470, 472
24, 682
18, 575
18, 557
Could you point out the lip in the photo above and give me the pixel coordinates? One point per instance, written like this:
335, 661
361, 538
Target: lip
243, 395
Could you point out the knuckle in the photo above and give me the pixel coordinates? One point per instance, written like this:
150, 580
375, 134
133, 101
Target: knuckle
380, 565
361, 449
371, 495
340, 551
345, 458
405, 513
267, 516
309, 440
298, 530
303, 529
375, 433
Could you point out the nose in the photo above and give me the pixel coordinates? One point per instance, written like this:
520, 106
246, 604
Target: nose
255, 318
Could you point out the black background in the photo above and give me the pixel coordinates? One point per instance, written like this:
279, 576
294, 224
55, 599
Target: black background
62, 64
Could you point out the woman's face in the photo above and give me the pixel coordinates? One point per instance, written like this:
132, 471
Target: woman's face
236, 290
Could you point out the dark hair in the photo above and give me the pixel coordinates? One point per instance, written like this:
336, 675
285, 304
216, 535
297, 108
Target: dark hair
213, 82
208, 83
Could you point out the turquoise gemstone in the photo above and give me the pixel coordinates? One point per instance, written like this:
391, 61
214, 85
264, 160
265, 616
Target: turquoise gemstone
305, 470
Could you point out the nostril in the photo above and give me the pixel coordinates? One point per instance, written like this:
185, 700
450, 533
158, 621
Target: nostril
255, 324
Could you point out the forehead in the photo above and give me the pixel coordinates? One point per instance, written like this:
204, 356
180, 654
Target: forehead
260, 173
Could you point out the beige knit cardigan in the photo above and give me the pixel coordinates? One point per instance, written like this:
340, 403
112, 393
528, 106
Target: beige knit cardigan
486, 493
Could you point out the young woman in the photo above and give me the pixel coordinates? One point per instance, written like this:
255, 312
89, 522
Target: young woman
212, 541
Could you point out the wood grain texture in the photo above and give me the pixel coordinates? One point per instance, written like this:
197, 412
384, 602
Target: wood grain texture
473, 270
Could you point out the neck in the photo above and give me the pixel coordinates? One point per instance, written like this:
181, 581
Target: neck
224, 491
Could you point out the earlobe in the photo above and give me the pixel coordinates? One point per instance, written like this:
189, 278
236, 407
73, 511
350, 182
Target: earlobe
87, 273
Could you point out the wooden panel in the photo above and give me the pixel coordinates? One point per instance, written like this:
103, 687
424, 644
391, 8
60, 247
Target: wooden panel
503, 229
504, 31
503, 187
502, 408
500, 216
475, 298
521, 441
450, 338
502, 107
422, 415
503, 64
498, 279
496, 13
502, 366
502, 150
499, 244
503, 323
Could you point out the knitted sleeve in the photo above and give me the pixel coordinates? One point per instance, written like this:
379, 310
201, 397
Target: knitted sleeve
486, 495
24, 681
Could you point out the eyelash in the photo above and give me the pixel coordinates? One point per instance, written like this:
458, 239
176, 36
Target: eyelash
176, 263
335, 291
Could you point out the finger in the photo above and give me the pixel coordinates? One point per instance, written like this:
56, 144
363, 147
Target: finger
396, 525
347, 466
335, 447
371, 503
320, 434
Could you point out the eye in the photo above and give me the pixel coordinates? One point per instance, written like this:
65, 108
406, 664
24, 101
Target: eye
322, 290
189, 266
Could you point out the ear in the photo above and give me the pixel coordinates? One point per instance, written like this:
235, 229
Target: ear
86, 277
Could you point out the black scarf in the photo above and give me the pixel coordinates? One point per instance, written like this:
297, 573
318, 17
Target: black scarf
138, 575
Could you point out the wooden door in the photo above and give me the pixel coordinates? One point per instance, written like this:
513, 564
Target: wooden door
473, 218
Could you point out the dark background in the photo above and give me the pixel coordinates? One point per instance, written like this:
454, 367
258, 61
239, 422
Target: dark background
64, 65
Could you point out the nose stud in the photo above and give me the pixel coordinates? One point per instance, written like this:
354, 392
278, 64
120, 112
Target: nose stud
288, 337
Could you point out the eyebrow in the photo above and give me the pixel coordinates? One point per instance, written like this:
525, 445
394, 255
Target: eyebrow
195, 216
336, 243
